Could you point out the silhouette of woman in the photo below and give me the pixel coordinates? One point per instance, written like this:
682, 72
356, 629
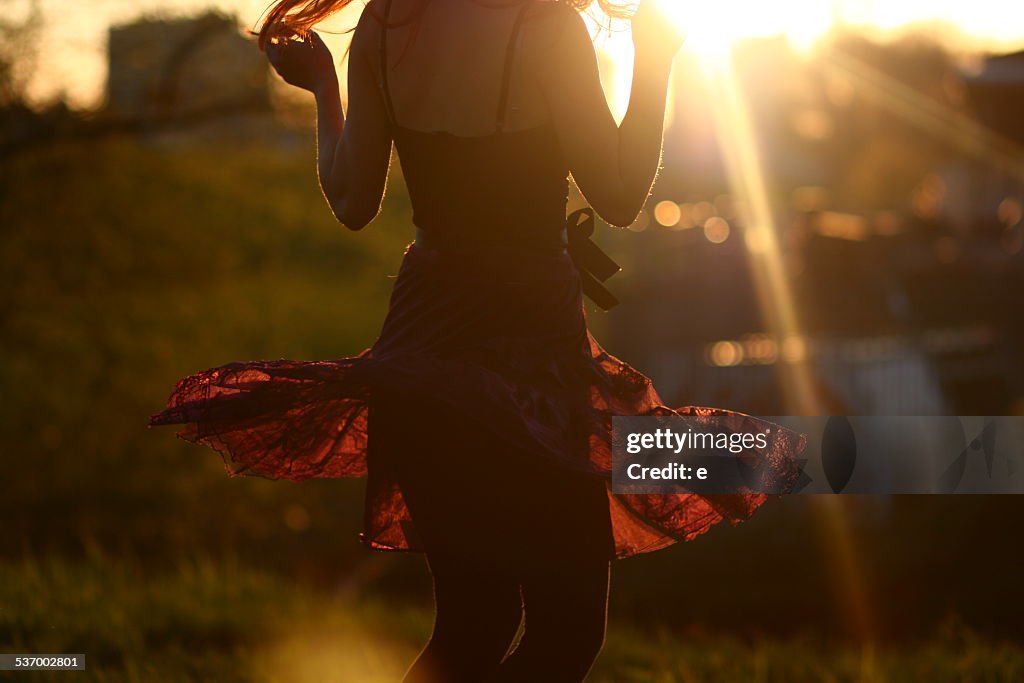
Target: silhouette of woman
482, 414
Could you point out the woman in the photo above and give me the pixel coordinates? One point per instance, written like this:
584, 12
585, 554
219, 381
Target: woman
482, 413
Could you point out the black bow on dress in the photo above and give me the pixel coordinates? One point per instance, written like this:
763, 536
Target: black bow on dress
594, 265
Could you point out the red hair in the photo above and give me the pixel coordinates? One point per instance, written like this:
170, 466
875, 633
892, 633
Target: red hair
298, 17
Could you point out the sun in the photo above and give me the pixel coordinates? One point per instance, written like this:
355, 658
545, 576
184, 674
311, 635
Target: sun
712, 28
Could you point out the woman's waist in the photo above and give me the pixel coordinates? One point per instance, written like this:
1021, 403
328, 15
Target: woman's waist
444, 298
488, 275
549, 242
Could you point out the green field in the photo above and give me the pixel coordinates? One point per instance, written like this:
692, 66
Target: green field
219, 621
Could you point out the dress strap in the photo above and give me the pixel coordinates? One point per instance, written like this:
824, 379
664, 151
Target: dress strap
506, 77
385, 88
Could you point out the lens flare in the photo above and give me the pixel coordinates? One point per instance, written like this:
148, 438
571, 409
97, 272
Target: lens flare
713, 27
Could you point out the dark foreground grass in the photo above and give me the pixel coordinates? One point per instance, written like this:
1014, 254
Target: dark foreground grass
205, 620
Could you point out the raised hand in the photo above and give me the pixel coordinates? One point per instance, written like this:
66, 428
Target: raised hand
655, 32
304, 62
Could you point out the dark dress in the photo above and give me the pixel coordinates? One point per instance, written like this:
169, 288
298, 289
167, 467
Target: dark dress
485, 401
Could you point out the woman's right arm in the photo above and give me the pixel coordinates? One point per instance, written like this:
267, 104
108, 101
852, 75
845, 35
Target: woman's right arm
353, 150
614, 166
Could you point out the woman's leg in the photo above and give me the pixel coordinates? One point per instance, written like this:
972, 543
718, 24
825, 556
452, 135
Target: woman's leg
476, 620
478, 604
565, 625
563, 558
495, 523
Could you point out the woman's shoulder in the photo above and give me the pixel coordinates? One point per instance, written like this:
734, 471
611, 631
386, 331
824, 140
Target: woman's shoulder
547, 23
367, 32
370, 19
554, 12
556, 27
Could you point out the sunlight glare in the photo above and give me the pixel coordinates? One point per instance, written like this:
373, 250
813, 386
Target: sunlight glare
713, 28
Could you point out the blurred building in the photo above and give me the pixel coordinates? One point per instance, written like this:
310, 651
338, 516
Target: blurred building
165, 68
997, 94
986, 192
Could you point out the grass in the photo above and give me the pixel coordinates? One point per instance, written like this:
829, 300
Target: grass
200, 621
221, 621
127, 265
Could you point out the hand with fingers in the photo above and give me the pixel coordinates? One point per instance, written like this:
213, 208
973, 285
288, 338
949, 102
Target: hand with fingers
303, 61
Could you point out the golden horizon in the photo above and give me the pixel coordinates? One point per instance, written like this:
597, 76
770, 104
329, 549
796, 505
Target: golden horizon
73, 65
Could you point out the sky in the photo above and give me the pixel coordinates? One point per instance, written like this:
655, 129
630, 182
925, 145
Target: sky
72, 57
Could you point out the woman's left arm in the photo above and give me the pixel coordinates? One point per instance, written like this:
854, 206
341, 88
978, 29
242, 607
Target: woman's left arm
353, 151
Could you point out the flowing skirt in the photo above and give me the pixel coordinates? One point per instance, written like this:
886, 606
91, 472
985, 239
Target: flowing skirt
496, 347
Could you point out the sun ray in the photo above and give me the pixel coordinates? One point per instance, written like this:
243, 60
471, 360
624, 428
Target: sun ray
959, 130
738, 140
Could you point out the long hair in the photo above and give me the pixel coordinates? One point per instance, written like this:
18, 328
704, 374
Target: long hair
300, 16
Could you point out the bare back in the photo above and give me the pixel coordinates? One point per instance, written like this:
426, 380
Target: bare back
446, 60
446, 66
